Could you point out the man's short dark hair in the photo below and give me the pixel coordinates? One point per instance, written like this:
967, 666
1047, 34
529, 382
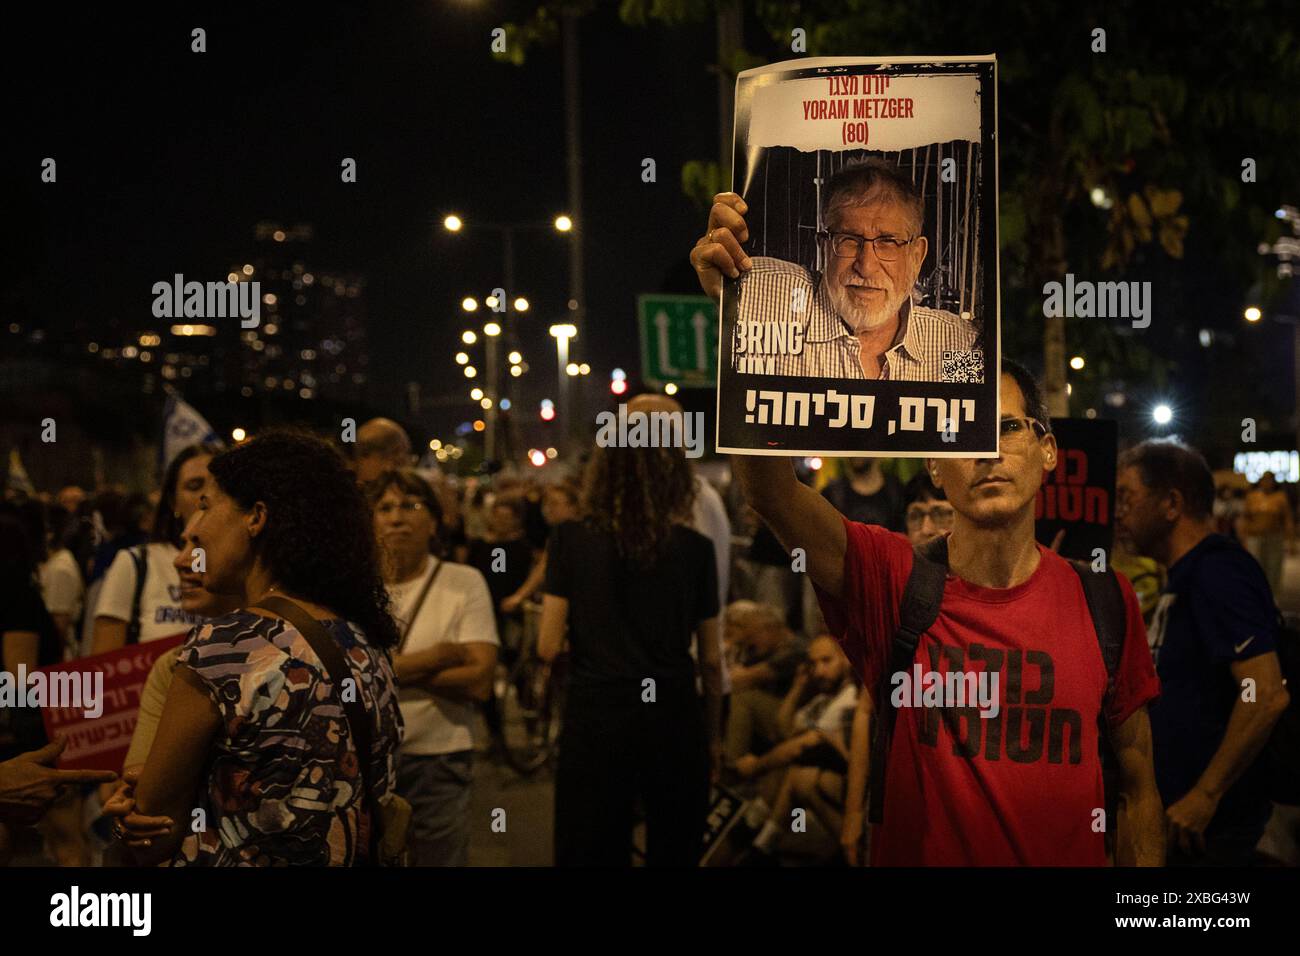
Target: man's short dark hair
1035, 404
1166, 464
857, 180
921, 488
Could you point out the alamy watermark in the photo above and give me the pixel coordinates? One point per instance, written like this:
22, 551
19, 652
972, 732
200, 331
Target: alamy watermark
651, 430
75, 690
179, 299
957, 689
1099, 300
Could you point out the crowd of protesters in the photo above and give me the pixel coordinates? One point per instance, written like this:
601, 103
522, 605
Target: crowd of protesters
699, 651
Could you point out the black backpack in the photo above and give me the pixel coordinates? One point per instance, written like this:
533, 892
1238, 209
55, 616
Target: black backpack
922, 596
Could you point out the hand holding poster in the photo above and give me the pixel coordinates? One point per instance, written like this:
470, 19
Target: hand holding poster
867, 322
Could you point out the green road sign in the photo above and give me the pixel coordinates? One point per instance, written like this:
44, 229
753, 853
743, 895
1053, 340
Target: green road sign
679, 340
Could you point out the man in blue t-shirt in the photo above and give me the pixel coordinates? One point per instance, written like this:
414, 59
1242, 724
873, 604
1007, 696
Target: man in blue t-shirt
1212, 636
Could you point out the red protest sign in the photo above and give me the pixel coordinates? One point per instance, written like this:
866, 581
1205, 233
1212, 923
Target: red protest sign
100, 743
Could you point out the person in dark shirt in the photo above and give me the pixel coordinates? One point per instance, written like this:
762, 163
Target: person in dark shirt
505, 559
1213, 638
28, 636
767, 656
867, 494
632, 584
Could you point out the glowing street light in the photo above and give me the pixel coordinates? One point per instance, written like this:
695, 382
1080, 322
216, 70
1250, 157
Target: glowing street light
521, 304
468, 337
469, 304
476, 393
563, 223
238, 434
1162, 414
470, 371
571, 368
452, 223
537, 457
1077, 363
515, 358
462, 358
492, 329
1253, 314
670, 388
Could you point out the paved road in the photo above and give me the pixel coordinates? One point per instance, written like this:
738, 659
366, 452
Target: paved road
528, 803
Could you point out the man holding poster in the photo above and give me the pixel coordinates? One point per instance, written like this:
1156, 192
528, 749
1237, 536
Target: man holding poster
1015, 780
863, 313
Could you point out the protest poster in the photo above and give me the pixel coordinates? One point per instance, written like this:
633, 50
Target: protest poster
101, 742
834, 345
1078, 496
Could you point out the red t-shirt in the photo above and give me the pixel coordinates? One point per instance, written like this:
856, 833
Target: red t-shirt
1017, 789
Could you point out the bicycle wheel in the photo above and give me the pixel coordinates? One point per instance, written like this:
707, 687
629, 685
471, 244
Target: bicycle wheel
529, 718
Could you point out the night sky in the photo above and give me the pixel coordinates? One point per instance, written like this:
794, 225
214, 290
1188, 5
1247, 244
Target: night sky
167, 158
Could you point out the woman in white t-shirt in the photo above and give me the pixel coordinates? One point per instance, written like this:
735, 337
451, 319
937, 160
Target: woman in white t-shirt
120, 617
444, 664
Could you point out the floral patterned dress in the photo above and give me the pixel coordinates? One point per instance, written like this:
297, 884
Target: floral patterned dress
283, 785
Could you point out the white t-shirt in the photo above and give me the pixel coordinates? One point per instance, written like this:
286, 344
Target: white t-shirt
457, 609
830, 713
63, 589
160, 602
709, 518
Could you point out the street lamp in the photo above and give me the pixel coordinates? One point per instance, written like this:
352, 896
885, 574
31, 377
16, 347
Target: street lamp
452, 223
563, 332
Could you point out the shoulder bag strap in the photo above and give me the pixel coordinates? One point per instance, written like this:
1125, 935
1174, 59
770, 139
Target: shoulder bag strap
419, 603
922, 596
331, 656
140, 557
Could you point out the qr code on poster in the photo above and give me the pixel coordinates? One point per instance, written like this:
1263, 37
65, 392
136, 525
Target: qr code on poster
963, 368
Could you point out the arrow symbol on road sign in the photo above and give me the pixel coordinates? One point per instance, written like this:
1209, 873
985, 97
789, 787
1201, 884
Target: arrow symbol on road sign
701, 348
665, 357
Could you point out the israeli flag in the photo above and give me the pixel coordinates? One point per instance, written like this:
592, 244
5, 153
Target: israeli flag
182, 426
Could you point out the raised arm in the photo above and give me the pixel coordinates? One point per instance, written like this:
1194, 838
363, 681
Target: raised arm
797, 515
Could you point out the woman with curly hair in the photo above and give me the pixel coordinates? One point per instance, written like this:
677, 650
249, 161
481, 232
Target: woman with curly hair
633, 584
255, 732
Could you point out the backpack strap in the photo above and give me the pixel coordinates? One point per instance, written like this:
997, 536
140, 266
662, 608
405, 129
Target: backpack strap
1109, 616
140, 557
922, 596
331, 656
